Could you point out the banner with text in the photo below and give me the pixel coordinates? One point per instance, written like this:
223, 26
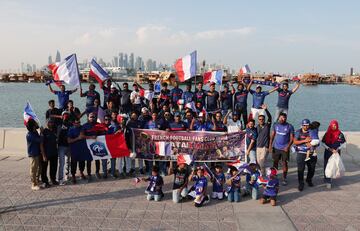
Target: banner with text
204, 146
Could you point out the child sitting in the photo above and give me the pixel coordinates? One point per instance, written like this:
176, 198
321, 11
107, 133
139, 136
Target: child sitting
233, 183
198, 190
154, 189
271, 187
252, 187
218, 181
181, 175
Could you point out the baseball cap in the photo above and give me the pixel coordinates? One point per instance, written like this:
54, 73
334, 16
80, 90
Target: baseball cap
212, 83
305, 122
201, 114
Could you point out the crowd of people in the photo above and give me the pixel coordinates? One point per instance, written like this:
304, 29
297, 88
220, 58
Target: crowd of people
179, 110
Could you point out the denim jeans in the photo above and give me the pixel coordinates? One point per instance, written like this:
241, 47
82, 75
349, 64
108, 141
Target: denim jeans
64, 161
113, 164
253, 191
104, 166
234, 195
124, 162
177, 195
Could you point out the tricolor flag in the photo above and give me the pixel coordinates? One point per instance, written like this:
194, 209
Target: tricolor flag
29, 114
101, 115
213, 76
241, 166
163, 148
191, 106
184, 159
245, 70
149, 95
97, 72
66, 71
103, 147
157, 86
186, 67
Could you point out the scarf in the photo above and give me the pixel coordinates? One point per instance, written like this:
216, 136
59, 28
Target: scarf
331, 136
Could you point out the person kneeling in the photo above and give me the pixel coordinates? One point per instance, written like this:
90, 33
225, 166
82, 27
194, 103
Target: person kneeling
271, 188
198, 190
233, 182
154, 189
181, 176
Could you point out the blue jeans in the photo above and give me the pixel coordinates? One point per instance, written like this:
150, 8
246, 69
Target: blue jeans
234, 195
253, 191
113, 163
64, 161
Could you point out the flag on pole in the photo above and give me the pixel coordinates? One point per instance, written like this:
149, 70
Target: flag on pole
66, 71
97, 72
184, 159
191, 106
29, 114
213, 76
245, 70
239, 165
186, 67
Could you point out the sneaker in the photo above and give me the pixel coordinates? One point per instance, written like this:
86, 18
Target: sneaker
61, 182
314, 154
55, 182
46, 185
307, 158
284, 182
301, 187
97, 175
35, 188
207, 199
74, 180
142, 171
328, 186
105, 176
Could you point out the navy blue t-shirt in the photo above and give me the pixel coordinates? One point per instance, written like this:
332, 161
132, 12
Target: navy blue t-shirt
226, 100
188, 97
282, 135
258, 98
240, 98
211, 101
181, 126
283, 98
200, 96
251, 134
198, 126
33, 140
90, 97
74, 132
176, 94
63, 98
50, 143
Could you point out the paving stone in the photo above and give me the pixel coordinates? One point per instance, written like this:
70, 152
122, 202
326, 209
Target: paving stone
149, 225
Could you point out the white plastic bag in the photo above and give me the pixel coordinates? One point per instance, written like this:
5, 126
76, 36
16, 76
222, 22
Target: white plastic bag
335, 167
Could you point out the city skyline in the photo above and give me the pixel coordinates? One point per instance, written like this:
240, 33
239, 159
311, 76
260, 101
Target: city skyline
282, 36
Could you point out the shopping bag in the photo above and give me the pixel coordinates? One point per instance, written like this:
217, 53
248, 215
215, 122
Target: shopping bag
335, 167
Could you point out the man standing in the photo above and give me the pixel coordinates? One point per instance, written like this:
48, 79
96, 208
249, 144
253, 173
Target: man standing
125, 102
188, 95
136, 98
226, 99
212, 99
200, 94
283, 98
263, 138
258, 100
90, 95
281, 139
175, 94
240, 102
302, 137
63, 96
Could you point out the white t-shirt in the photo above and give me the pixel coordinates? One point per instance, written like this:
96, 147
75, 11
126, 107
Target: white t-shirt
136, 97
233, 126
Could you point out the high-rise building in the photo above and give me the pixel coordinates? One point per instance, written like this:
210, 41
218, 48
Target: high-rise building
34, 68
116, 61
121, 60
23, 68
138, 63
351, 71
148, 66
131, 61
50, 60
126, 61
57, 57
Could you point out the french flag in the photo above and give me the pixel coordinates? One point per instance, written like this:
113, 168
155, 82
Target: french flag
163, 148
97, 72
29, 114
184, 159
186, 67
245, 70
66, 71
103, 147
213, 76
241, 166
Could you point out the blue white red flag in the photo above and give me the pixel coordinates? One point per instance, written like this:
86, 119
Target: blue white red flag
163, 148
245, 70
97, 72
191, 106
186, 67
213, 76
103, 147
241, 166
184, 159
66, 71
157, 86
29, 114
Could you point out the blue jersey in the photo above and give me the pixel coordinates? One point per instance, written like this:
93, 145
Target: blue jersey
198, 126
63, 98
220, 179
176, 94
251, 134
200, 96
271, 188
154, 125
282, 135
212, 101
226, 100
90, 97
220, 126
253, 176
258, 98
200, 184
235, 183
74, 132
188, 97
155, 185
33, 140
314, 134
283, 98
181, 126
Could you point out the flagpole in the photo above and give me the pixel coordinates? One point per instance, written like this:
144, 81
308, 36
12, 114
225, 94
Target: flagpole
77, 66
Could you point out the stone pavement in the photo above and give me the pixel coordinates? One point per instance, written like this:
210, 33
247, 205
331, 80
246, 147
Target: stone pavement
120, 205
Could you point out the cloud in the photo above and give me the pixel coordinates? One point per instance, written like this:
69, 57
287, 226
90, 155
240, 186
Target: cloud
145, 33
215, 34
84, 39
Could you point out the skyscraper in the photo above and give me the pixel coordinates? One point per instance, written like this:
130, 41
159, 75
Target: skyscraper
121, 60
116, 61
50, 60
125, 61
138, 63
34, 68
57, 57
22, 67
131, 61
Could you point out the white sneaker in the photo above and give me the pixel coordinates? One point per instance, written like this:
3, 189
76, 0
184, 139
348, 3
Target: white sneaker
308, 158
61, 182
35, 188
314, 154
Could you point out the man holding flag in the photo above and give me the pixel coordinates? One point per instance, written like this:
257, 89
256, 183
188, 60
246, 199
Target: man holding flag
63, 96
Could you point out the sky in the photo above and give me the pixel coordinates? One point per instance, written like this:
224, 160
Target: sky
271, 36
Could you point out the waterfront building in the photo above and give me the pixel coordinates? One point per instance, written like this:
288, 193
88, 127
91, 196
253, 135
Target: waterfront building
131, 61
57, 57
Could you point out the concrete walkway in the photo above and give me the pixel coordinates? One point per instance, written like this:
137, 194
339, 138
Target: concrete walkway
120, 205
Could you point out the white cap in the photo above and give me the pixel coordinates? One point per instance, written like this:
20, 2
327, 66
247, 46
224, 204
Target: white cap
201, 114
113, 86
144, 110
